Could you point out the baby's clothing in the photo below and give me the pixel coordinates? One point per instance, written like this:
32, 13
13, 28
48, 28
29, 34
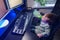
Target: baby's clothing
43, 29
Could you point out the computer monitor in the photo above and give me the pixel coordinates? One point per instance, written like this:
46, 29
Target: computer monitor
7, 17
13, 3
8, 4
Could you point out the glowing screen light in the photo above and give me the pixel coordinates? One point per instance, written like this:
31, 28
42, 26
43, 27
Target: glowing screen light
4, 23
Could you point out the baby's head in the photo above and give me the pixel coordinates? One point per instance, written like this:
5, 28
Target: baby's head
50, 17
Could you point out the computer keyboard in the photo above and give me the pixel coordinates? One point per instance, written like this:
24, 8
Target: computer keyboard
22, 23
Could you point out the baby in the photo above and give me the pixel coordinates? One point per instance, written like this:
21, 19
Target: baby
44, 28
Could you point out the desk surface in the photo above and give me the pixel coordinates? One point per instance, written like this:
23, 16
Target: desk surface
27, 36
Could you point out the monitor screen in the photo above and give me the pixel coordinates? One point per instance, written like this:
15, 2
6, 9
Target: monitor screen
13, 3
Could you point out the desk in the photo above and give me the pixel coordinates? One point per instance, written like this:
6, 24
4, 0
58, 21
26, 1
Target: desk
28, 36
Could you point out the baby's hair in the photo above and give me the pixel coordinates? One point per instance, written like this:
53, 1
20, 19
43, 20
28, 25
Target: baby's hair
51, 16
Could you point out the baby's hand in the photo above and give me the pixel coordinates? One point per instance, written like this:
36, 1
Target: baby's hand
39, 35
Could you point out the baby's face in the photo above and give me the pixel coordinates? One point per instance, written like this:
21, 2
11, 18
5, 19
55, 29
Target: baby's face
45, 18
